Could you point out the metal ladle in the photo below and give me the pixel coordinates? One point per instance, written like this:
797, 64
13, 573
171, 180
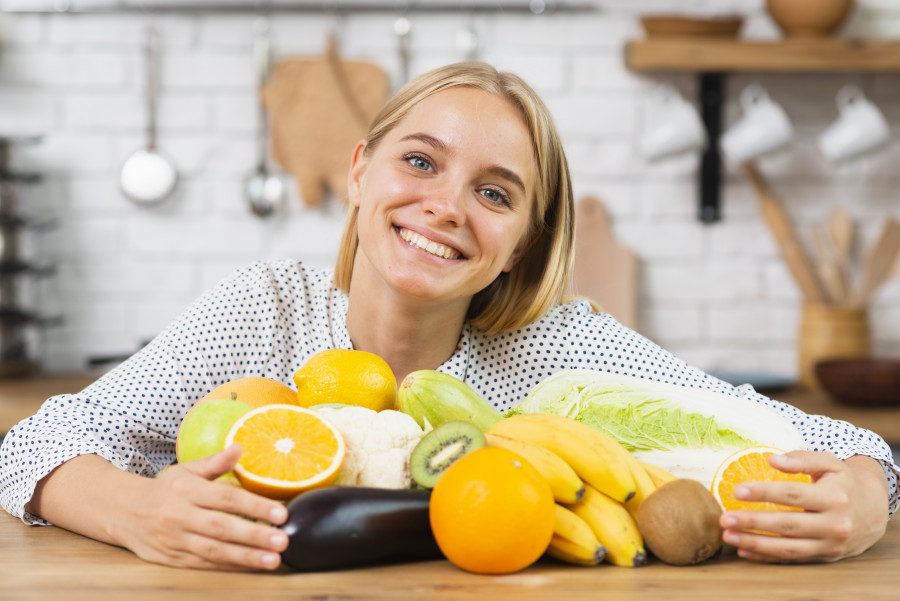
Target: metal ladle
148, 177
402, 28
264, 190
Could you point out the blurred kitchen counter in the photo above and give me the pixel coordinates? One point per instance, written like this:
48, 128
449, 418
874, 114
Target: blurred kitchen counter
883, 421
22, 397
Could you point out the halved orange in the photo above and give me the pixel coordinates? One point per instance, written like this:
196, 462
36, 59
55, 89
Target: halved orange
286, 450
750, 465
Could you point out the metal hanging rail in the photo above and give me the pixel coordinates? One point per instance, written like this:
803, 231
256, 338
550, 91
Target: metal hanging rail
536, 7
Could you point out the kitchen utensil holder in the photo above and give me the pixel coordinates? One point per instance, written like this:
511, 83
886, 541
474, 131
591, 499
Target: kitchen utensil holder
830, 332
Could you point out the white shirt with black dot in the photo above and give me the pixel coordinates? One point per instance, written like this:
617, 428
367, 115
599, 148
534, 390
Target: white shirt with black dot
269, 318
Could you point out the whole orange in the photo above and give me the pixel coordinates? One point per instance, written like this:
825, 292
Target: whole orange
492, 513
254, 390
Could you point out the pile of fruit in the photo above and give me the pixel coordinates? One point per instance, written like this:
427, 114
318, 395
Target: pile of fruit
373, 474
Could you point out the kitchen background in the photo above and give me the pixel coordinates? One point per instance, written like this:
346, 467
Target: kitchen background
718, 295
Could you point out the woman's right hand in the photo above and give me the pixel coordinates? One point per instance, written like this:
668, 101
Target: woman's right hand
184, 519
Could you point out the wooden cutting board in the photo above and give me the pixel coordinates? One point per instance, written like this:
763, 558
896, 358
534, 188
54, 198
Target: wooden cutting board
320, 108
605, 271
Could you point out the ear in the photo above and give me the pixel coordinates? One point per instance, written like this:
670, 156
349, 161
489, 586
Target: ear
520, 251
354, 176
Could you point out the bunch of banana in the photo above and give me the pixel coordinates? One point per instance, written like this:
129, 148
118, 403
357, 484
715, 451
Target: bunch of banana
597, 484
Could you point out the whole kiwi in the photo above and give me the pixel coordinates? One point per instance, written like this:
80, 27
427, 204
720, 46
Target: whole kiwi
680, 523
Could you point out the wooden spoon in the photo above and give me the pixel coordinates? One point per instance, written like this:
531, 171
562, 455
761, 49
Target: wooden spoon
841, 234
840, 228
880, 261
785, 236
828, 266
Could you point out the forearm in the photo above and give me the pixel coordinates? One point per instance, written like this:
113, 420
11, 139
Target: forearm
84, 495
875, 488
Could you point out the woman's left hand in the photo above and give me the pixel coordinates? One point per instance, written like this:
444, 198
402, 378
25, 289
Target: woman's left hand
845, 510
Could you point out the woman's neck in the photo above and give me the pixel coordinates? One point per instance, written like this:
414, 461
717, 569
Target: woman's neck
409, 335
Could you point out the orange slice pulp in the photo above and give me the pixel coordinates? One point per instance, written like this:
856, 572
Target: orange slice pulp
286, 450
750, 465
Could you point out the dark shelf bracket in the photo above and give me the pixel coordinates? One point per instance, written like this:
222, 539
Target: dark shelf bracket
711, 103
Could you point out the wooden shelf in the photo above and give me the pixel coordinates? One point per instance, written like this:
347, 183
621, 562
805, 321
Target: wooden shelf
713, 59
830, 55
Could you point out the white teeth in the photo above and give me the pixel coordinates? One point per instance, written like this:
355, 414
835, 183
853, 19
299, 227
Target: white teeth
429, 246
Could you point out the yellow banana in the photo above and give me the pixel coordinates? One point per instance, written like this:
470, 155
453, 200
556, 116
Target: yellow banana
573, 540
569, 552
597, 459
565, 484
643, 484
614, 527
657, 474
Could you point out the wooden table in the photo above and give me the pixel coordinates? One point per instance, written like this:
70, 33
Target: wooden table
48, 563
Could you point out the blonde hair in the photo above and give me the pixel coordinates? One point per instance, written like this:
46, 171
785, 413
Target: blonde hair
539, 279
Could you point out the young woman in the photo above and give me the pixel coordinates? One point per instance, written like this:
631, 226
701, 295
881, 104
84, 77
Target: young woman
455, 257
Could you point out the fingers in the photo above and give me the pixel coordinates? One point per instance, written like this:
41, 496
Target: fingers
814, 463
801, 495
190, 521
779, 549
212, 553
215, 465
191, 534
237, 501
794, 524
201, 552
230, 499
838, 518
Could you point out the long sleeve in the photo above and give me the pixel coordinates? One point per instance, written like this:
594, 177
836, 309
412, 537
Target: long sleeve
258, 322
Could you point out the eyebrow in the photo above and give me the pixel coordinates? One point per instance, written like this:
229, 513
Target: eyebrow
498, 170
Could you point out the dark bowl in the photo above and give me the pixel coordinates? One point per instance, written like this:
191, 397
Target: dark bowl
861, 382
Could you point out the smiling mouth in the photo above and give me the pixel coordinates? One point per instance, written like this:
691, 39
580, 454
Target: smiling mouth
430, 246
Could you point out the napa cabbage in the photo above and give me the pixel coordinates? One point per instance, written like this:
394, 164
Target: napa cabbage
688, 431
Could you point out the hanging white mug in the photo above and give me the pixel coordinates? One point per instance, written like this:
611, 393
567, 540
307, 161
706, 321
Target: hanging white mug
675, 128
764, 127
860, 126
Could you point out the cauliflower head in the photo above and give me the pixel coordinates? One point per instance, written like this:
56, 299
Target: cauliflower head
378, 445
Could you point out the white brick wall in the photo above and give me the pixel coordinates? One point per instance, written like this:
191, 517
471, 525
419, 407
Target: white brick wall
717, 295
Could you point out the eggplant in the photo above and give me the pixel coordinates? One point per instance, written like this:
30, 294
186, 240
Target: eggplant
349, 526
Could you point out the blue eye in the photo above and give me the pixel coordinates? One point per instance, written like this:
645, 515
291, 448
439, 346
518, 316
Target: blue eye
419, 163
496, 196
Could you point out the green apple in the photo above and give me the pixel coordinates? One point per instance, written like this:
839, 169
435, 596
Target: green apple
203, 429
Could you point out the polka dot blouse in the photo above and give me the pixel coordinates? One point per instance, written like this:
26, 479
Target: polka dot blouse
269, 318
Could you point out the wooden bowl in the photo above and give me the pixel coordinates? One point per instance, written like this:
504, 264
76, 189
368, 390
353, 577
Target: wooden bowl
861, 382
808, 18
657, 26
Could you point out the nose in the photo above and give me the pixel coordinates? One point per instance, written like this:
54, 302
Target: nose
447, 202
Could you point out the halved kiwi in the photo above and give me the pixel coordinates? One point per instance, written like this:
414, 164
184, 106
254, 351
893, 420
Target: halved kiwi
440, 448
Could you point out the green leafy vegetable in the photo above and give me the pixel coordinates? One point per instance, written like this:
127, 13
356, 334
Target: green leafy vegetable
685, 430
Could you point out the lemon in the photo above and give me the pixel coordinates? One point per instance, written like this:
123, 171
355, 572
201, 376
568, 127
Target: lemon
347, 377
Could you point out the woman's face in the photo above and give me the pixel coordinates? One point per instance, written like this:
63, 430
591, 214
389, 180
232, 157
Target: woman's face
445, 198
